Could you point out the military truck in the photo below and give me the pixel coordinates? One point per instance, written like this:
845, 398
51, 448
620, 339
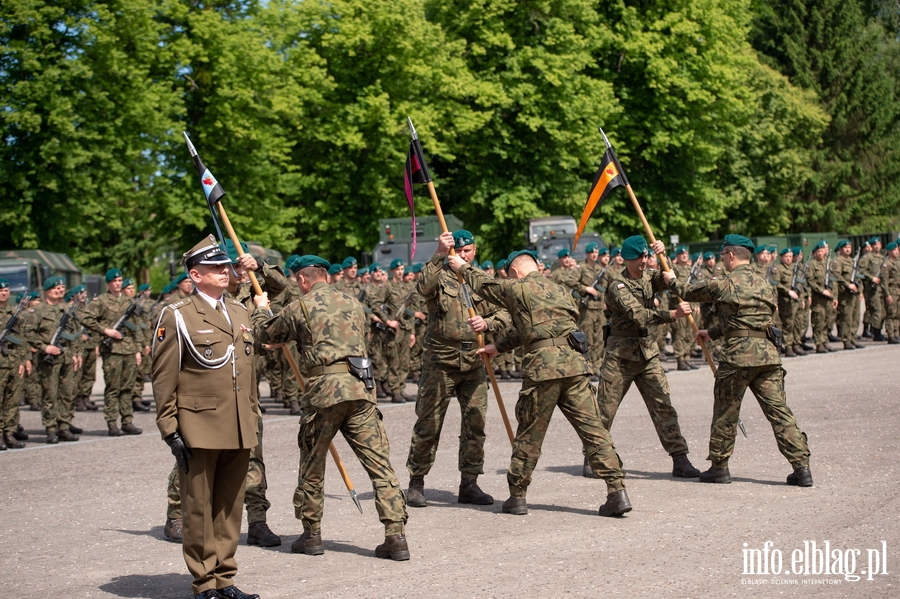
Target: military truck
395, 238
550, 234
26, 270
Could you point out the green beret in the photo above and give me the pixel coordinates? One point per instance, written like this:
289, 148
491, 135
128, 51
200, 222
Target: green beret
563, 253
650, 252
513, 255
309, 260
180, 278
694, 256
228, 248
4, 284
615, 252
487, 264
54, 282
144, 287
891, 246
796, 249
772, 249
786, 251
591, 247
417, 267
822, 244
396, 263
603, 250
375, 268
841, 244
33, 295
874, 240
19, 297
169, 288
349, 262
462, 238
127, 283
68, 296
634, 247
708, 255
681, 249
741, 241
760, 249
334, 269
501, 264
113, 273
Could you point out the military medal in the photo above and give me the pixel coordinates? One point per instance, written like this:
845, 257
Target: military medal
207, 353
247, 349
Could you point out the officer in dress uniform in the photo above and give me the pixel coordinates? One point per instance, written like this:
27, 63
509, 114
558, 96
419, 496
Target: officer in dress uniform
204, 385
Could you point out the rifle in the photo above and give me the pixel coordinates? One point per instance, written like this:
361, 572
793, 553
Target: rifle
695, 270
588, 297
123, 323
854, 274
61, 334
794, 274
828, 273
880, 268
770, 273
6, 335
403, 305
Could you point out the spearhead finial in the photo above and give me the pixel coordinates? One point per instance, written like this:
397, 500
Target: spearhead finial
412, 128
605, 139
190, 146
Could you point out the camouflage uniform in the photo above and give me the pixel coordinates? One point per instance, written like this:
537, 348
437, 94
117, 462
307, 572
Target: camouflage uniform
787, 306
553, 375
87, 374
330, 326
632, 356
592, 318
568, 278
418, 304
682, 334
848, 301
821, 304
373, 300
11, 384
802, 313
119, 362
56, 379
396, 343
890, 285
745, 302
451, 368
869, 268
282, 292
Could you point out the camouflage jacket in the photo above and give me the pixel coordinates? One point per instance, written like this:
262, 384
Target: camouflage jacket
869, 265
744, 299
682, 272
540, 310
398, 293
890, 279
351, 288
328, 326
17, 346
815, 276
783, 277
589, 274
630, 308
448, 316
843, 270
102, 313
43, 325
271, 280
568, 278
374, 301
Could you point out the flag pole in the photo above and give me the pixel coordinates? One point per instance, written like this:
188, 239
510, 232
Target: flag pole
487, 360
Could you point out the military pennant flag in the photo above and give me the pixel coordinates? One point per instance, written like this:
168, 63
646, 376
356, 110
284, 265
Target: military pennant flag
211, 188
609, 176
416, 172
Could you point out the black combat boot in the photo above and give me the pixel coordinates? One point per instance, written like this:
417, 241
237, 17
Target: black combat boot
66, 435
415, 495
716, 475
800, 477
516, 506
878, 336
470, 492
867, 332
616, 504
259, 533
682, 467
308, 543
394, 547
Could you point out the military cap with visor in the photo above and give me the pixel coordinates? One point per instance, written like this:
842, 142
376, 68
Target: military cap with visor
206, 252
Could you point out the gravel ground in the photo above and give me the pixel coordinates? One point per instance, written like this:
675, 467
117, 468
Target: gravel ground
85, 519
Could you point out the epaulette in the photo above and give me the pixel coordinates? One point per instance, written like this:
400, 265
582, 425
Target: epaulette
178, 304
234, 302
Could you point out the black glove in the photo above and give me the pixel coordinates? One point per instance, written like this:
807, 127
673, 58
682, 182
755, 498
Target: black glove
181, 451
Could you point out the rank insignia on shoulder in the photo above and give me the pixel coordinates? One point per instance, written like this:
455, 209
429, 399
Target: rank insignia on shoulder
160, 333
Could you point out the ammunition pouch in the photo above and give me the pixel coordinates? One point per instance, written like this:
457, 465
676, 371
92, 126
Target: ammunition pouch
775, 335
578, 341
361, 368
606, 331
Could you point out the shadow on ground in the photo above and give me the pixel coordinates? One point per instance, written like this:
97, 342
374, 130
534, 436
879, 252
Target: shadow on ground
150, 586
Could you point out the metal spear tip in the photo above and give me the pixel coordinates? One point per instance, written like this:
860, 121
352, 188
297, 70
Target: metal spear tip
605, 139
190, 146
412, 128
355, 499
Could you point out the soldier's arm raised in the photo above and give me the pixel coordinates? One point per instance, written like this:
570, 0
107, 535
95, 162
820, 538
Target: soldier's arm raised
427, 284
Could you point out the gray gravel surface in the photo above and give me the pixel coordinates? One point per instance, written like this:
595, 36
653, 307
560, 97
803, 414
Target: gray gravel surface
85, 519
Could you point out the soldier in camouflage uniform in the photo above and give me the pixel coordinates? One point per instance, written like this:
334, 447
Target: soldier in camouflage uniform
802, 314
451, 368
682, 333
258, 532
13, 355
788, 301
848, 295
56, 378
348, 283
419, 310
870, 270
890, 286
142, 338
822, 297
329, 327
87, 374
745, 303
555, 375
632, 355
119, 361
400, 335
290, 388
568, 274
32, 383
374, 294
594, 282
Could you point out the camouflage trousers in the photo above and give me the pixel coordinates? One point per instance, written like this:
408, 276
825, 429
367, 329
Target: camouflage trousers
360, 423
788, 309
616, 377
254, 496
290, 388
591, 323
436, 387
396, 355
575, 398
682, 338
658, 333
767, 384
821, 305
274, 369
848, 316
801, 323
874, 316
140, 372
375, 346
415, 354
32, 385
118, 373
87, 374
11, 388
892, 318
57, 393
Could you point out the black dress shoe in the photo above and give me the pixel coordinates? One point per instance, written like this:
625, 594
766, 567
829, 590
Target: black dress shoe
233, 592
209, 594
